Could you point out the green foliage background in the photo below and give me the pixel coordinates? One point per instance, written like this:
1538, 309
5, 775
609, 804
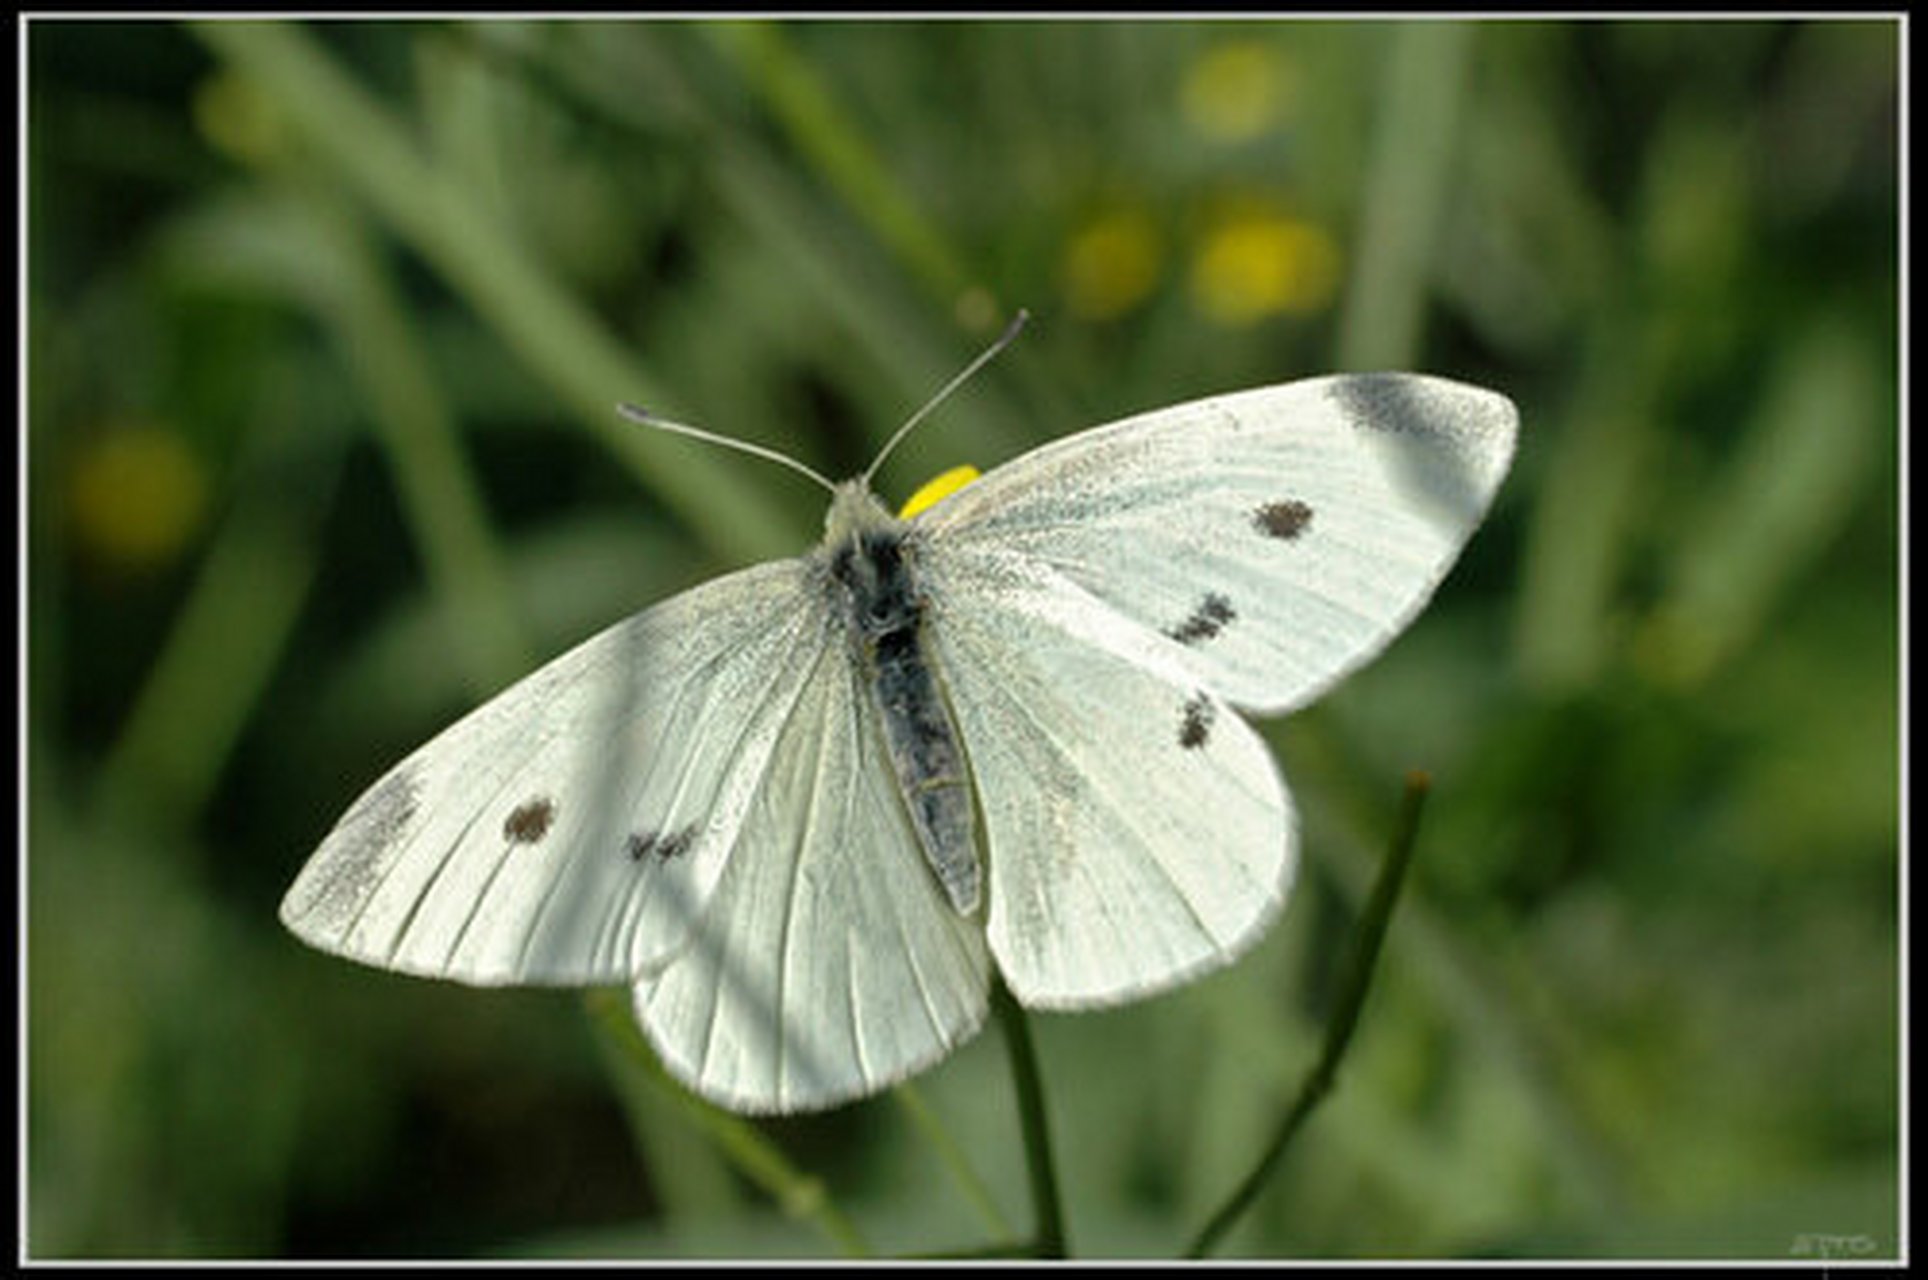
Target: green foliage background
326, 327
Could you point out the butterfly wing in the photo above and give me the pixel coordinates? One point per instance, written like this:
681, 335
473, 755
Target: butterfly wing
572, 829
1282, 536
1097, 603
830, 963
1138, 832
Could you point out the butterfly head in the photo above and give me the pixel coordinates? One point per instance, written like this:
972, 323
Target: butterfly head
855, 511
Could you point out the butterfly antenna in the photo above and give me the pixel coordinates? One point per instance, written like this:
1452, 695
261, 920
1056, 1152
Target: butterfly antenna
1003, 341
636, 413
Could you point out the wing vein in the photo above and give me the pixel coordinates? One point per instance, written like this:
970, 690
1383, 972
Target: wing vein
1125, 813
783, 732
549, 892
786, 957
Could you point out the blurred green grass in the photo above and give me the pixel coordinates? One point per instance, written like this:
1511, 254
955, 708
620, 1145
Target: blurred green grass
326, 324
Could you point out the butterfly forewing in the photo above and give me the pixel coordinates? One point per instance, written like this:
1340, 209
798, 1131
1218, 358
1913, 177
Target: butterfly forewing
1281, 535
571, 829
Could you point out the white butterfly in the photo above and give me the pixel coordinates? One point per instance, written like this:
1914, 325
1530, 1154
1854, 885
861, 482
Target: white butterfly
804, 808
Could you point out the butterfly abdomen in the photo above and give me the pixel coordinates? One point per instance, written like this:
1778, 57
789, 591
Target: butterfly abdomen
886, 615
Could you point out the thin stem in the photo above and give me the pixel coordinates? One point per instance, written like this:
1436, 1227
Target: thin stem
223, 645
365, 147
1409, 187
755, 1156
435, 474
1356, 979
1050, 1239
806, 105
921, 1115
978, 1253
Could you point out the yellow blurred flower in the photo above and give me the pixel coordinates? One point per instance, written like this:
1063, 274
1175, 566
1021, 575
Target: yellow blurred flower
976, 310
1112, 264
136, 496
1235, 91
237, 118
1257, 263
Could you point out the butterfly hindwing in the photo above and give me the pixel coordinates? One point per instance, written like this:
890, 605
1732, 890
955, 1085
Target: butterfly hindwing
1136, 829
830, 963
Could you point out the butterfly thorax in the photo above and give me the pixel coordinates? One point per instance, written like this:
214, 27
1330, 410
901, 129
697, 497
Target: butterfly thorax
872, 559
866, 549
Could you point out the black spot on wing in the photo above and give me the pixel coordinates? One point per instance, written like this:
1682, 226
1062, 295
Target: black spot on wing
665, 846
530, 821
1206, 621
1287, 519
1195, 724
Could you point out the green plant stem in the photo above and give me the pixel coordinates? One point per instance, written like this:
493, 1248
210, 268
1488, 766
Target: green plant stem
934, 1132
1411, 177
367, 149
1356, 978
434, 475
857, 290
805, 104
760, 1160
224, 642
1050, 1239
